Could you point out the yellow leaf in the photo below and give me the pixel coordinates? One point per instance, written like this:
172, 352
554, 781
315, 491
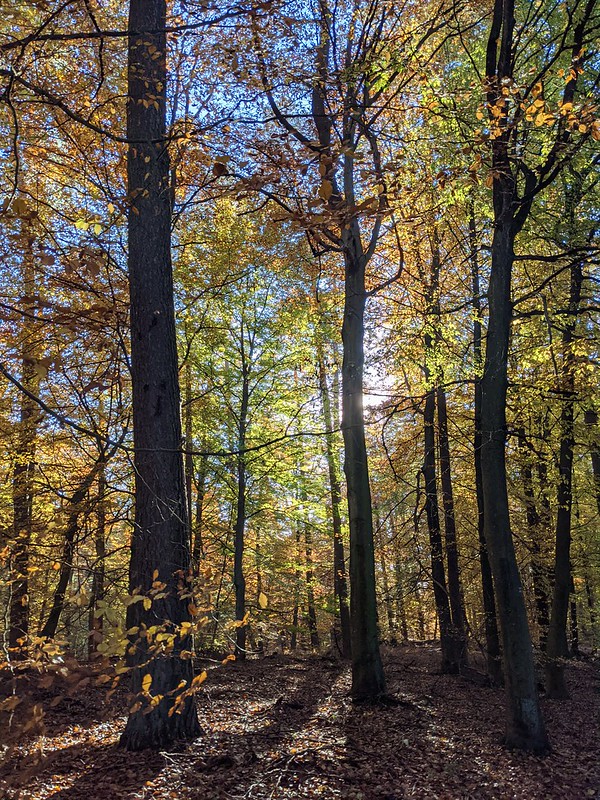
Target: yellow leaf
263, 601
325, 190
146, 683
199, 679
147, 603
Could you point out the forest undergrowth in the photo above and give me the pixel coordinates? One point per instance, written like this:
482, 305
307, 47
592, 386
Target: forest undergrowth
284, 727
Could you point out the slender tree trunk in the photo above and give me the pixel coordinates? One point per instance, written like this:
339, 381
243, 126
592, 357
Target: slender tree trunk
98, 575
76, 502
24, 467
573, 618
455, 593
295, 613
189, 446
387, 595
239, 579
448, 639
340, 581
368, 681
591, 419
310, 593
492, 638
400, 603
557, 648
198, 547
160, 553
534, 523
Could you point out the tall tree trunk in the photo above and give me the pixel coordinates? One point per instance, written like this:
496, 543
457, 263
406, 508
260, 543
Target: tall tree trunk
160, 552
536, 530
296, 611
310, 592
452, 653
198, 545
239, 579
340, 581
448, 638
24, 467
387, 595
492, 638
368, 681
455, 593
525, 724
98, 574
189, 446
557, 648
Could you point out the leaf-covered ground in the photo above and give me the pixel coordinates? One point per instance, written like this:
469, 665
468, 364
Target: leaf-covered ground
284, 727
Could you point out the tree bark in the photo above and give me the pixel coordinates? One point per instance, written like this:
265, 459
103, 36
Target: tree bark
448, 639
455, 593
368, 681
160, 552
66, 564
536, 530
24, 467
98, 572
239, 578
340, 581
310, 593
525, 724
557, 647
490, 622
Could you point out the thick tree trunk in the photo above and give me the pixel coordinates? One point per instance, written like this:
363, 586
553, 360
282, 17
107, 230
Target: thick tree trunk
340, 581
455, 593
160, 554
368, 681
525, 725
492, 638
557, 648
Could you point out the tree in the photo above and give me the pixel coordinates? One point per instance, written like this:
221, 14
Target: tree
160, 547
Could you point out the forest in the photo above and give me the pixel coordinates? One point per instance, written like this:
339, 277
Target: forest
299, 408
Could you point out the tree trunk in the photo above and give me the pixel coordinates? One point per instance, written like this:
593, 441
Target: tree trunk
310, 593
591, 419
557, 648
66, 563
295, 613
98, 573
387, 595
340, 581
160, 553
455, 593
448, 639
198, 546
24, 468
239, 579
525, 724
492, 638
368, 681
536, 530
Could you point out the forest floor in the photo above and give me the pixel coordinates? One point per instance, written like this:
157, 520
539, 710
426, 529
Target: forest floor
284, 727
